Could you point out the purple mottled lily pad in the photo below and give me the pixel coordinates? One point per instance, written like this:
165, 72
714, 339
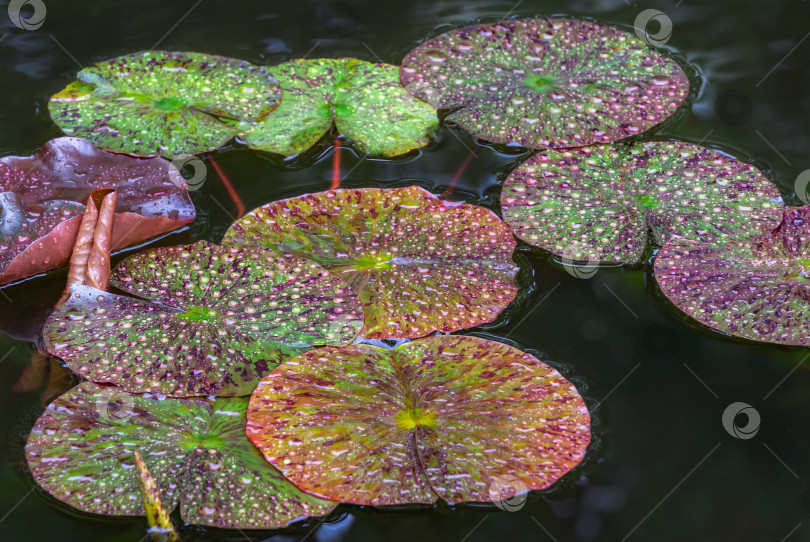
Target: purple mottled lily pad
164, 103
419, 264
759, 290
446, 417
208, 320
81, 452
43, 197
597, 203
546, 82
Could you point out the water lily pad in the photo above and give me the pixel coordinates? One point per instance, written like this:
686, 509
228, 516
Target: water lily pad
442, 417
81, 452
164, 103
43, 197
209, 320
546, 83
419, 264
365, 101
597, 203
758, 290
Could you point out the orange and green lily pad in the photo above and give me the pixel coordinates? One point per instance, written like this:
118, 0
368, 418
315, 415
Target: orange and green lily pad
443, 417
546, 82
364, 101
598, 203
208, 320
419, 264
195, 449
164, 103
759, 290
42, 199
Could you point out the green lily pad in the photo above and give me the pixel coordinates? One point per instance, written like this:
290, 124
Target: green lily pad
597, 203
164, 103
365, 101
448, 416
546, 83
81, 452
759, 290
418, 264
209, 320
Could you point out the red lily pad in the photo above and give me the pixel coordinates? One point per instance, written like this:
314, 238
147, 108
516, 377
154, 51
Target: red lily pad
444, 417
164, 103
44, 196
546, 82
419, 264
81, 452
597, 203
209, 320
758, 290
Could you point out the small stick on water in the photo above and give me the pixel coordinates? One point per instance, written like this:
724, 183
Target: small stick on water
449, 191
90, 259
240, 207
336, 165
161, 528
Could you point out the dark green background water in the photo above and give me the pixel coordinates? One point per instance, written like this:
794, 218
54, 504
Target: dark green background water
663, 467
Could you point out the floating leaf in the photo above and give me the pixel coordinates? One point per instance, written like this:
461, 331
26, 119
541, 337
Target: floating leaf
365, 101
546, 82
596, 203
43, 197
758, 290
419, 264
164, 103
196, 450
440, 417
212, 320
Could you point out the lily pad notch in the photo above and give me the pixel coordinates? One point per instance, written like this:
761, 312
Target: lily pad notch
364, 102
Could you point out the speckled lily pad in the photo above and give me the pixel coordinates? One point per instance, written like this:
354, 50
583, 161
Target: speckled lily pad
442, 417
419, 264
758, 290
365, 101
546, 83
164, 103
81, 452
43, 197
597, 203
209, 320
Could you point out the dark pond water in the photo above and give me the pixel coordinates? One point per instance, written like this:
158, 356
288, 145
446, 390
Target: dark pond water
663, 467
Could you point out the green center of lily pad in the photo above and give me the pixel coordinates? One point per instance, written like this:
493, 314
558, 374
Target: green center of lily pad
540, 83
648, 201
330, 110
169, 103
198, 314
415, 417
